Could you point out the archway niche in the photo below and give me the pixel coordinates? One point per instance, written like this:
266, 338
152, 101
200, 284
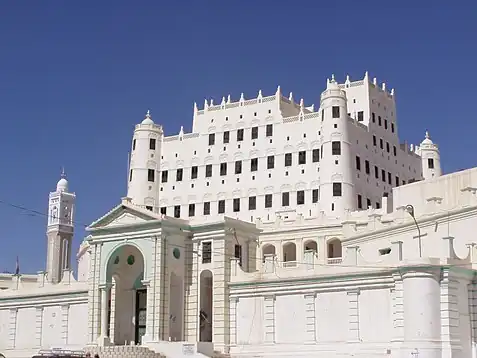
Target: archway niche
127, 311
268, 250
334, 251
310, 245
176, 299
206, 306
289, 254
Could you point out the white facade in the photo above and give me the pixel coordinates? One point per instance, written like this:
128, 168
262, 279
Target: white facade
318, 272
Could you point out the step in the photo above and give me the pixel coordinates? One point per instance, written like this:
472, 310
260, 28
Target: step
123, 352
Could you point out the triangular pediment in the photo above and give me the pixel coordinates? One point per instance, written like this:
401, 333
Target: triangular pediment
123, 215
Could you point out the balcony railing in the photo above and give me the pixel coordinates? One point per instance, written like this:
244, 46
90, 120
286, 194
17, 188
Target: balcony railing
334, 260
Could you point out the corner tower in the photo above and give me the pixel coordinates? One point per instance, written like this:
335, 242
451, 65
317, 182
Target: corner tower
144, 165
431, 159
337, 192
60, 230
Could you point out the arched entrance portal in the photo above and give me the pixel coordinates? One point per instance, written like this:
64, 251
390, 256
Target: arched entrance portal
127, 301
206, 304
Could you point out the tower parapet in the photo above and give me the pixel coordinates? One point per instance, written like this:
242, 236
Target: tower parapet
431, 159
144, 164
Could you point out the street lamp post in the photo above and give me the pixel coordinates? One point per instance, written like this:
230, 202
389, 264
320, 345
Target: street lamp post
410, 211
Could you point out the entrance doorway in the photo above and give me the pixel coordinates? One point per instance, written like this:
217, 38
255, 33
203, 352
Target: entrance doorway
140, 322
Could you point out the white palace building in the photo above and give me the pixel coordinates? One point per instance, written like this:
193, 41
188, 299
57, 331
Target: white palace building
273, 229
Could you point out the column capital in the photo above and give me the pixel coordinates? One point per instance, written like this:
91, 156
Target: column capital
354, 291
146, 283
271, 297
310, 295
105, 286
234, 299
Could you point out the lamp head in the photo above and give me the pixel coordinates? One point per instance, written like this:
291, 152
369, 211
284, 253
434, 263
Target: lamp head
410, 210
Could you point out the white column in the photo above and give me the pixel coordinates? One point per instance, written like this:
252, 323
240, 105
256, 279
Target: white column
353, 316
449, 313
398, 309
64, 323
112, 319
12, 327
233, 320
310, 317
38, 326
191, 331
269, 318
472, 296
103, 337
422, 312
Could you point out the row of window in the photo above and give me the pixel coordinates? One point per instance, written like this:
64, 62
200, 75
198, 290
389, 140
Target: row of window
368, 203
252, 202
367, 169
240, 134
381, 145
380, 121
152, 144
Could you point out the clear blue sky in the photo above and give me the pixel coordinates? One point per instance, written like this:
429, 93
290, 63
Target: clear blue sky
75, 76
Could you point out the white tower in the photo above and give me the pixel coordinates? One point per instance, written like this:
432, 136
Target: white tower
337, 192
431, 159
144, 165
60, 230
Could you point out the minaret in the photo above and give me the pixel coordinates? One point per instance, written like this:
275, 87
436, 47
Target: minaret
60, 230
337, 192
144, 164
431, 159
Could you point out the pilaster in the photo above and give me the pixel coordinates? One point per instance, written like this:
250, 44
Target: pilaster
192, 293
38, 326
164, 291
310, 318
12, 328
397, 308
269, 318
93, 294
472, 297
449, 312
112, 321
233, 320
353, 316
64, 323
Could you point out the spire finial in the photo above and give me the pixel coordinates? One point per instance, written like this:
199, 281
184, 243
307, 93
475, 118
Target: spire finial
427, 134
63, 174
148, 114
332, 78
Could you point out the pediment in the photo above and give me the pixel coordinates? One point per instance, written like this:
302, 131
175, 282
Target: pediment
123, 215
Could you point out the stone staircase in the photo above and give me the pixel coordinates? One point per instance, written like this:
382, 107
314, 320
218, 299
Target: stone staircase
123, 352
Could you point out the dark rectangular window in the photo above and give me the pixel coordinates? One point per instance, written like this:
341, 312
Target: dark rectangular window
336, 148
397, 181
385, 124
148, 207
381, 145
134, 144
300, 197
211, 138
268, 200
390, 179
430, 163
164, 176
270, 162
194, 172
254, 164
130, 174
315, 155
376, 172
208, 170
207, 208
177, 211
223, 168
236, 205
269, 130
374, 140
163, 210
285, 199
392, 127
238, 167
360, 116
238, 253
254, 132
394, 150
152, 143
358, 163
191, 210
368, 203
379, 120
314, 196
378, 205
226, 137
206, 252
179, 173
360, 202
336, 189
151, 175
373, 116
366, 166
302, 157
336, 111
252, 203
288, 159
383, 175
387, 147
221, 206
239, 135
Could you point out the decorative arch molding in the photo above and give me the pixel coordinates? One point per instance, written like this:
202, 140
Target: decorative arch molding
180, 163
195, 161
163, 202
152, 135
221, 196
151, 164
315, 144
165, 165
315, 184
236, 193
285, 188
208, 160
254, 153
289, 148
255, 122
268, 189
336, 177
336, 135
268, 118
149, 201
271, 151
300, 185
109, 252
207, 197
302, 146
192, 199
211, 129
252, 192
238, 156
240, 125
177, 200
223, 158
226, 127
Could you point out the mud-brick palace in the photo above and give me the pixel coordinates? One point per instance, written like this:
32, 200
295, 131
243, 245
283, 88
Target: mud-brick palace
274, 228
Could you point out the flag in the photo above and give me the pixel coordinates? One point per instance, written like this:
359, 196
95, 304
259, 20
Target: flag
17, 267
